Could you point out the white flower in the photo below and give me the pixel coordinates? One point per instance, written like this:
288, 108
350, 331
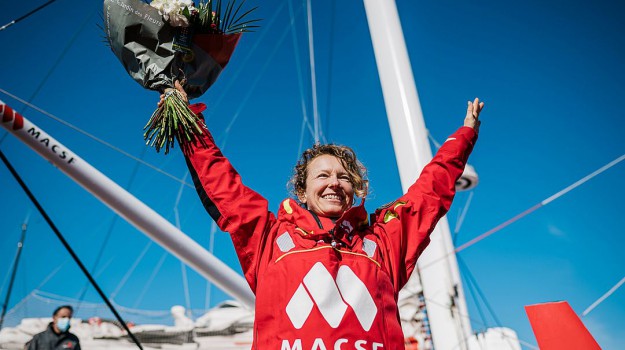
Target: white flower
178, 20
171, 10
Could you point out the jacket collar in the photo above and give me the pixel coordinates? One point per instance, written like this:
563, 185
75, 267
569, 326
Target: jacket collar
312, 226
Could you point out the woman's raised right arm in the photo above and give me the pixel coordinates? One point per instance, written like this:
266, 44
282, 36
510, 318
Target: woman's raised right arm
236, 208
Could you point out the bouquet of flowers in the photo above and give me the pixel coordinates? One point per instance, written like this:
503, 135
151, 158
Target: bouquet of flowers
168, 40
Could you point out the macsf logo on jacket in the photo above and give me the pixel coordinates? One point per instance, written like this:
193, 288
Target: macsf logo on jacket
332, 297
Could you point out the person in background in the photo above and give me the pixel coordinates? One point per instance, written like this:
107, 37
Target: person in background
57, 335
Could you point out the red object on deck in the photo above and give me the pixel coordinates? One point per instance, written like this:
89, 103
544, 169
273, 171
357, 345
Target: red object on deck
557, 327
411, 343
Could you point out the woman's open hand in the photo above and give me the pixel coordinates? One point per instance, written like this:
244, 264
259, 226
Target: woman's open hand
473, 112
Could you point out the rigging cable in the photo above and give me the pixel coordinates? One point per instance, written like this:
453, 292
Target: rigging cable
157, 268
109, 232
300, 79
473, 281
474, 295
26, 15
67, 247
124, 279
34, 291
8, 274
432, 139
55, 64
65, 50
326, 117
522, 342
603, 297
51, 274
529, 210
313, 73
16, 262
183, 268
543, 203
251, 53
104, 267
463, 214
211, 248
250, 89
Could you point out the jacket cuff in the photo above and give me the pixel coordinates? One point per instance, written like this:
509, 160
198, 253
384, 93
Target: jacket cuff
468, 132
197, 108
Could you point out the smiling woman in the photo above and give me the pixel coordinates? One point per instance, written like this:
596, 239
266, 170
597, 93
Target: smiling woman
321, 270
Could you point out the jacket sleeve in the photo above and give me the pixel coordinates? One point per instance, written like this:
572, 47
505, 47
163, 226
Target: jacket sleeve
407, 223
77, 347
33, 344
236, 208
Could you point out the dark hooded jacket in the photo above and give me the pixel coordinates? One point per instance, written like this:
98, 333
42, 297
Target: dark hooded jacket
50, 340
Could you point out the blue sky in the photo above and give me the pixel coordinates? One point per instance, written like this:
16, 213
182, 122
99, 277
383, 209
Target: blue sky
551, 75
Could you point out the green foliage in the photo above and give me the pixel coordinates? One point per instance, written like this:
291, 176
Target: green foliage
212, 17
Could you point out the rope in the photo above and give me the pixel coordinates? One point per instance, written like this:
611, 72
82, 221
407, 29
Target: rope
26, 15
52, 274
56, 63
433, 140
479, 291
185, 287
69, 45
533, 347
18, 254
211, 247
124, 279
251, 53
305, 120
46, 297
301, 139
185, 280
6, 277
313, 73
603, 297
463, 214
250, 89
177, 202
474, 293
543, 203
104, 267
109, 232
326, 118
157, 268
67, 246
529, 210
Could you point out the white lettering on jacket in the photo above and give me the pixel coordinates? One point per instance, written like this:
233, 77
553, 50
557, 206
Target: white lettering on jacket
319, 344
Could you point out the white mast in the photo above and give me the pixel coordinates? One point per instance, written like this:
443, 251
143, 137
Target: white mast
440, 282
129, 207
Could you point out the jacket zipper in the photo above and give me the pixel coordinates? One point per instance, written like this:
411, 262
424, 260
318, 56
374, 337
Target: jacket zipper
333, 243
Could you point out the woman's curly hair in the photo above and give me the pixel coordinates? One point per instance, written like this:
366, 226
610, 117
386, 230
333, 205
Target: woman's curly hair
356, 170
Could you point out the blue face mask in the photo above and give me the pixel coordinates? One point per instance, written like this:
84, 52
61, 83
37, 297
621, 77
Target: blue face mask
62, 324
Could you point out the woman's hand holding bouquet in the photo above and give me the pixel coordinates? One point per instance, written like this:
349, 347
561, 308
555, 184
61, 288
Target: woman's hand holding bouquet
173, 40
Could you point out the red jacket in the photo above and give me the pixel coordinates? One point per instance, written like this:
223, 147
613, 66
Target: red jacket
321, 284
